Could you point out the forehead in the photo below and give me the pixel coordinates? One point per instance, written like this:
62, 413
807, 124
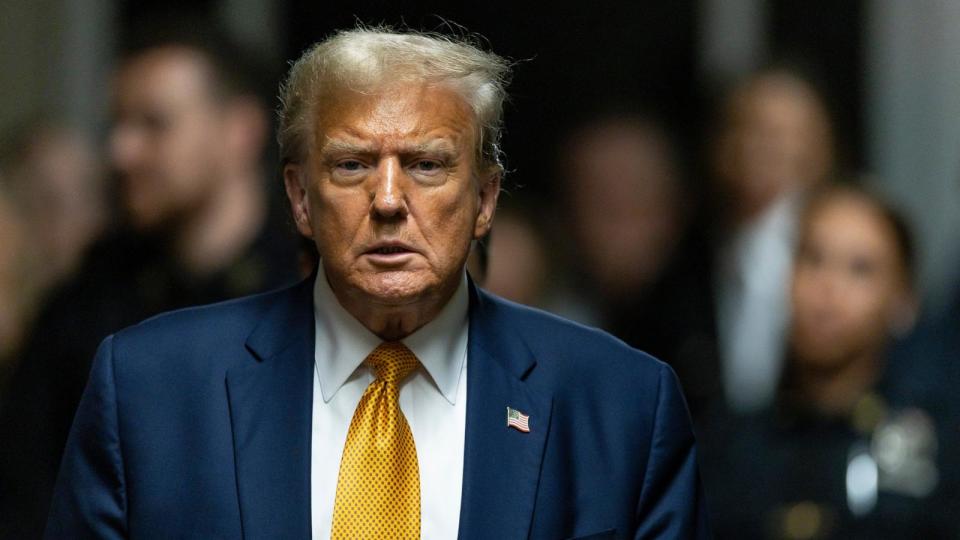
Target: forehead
849, 222
776, 99
624, 147
397, 113
163, 74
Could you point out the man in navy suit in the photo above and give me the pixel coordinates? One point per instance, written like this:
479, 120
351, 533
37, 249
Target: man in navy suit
231, 420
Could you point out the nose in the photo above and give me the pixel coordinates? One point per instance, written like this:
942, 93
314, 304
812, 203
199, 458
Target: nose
388, 196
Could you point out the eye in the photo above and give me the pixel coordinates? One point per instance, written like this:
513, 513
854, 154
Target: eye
350, 165
427, 166
348, 170
155, 122
862, 267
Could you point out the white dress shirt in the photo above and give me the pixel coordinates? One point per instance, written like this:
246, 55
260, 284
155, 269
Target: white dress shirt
433, 399
753, 305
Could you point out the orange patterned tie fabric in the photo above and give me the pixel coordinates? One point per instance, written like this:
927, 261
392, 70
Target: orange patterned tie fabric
378, 491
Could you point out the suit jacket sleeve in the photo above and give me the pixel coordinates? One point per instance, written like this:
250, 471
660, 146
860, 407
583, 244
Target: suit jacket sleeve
89, 499
671, 501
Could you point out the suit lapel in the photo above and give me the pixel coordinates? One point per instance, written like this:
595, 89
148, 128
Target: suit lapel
501, 464
270, 412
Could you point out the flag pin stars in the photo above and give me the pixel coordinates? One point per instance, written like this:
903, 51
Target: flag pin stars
518, 420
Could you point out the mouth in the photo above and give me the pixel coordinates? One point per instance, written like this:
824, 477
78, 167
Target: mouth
389, 250
389, 253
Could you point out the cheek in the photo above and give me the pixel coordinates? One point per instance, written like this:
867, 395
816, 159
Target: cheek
870, 306
862, 311
336, 218
803, 290
466, 230
449, 221
189, 157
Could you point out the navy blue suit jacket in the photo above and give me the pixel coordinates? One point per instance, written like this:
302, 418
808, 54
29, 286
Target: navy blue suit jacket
197, 424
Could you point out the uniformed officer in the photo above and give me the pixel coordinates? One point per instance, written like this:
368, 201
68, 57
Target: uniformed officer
854, 448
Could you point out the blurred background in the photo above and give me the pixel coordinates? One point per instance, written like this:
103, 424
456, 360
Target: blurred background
763, 193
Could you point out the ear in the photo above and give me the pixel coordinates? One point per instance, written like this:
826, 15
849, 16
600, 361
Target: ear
295, 183
489, 192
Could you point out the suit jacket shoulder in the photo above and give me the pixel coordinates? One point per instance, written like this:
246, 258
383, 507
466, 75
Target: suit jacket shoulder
214, 337
576, 358
619, 456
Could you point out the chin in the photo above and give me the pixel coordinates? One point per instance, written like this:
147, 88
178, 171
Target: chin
396, 288
822, 357
143, 220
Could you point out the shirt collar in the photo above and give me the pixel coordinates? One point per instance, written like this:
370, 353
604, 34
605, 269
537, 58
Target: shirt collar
774, 231
342, 343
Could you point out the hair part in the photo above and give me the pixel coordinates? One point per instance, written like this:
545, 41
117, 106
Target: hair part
364, 59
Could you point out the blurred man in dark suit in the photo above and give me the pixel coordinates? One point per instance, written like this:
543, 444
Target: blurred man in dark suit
624, 210
724, 323
186, 143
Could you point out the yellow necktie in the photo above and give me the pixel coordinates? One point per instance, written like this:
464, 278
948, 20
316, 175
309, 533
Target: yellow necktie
378, 491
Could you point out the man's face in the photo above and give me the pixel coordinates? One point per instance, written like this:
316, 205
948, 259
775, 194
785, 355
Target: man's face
167, 138
391, 192
777, 141
624, 205
847, 283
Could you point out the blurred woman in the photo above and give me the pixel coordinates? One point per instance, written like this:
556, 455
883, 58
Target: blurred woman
848, 451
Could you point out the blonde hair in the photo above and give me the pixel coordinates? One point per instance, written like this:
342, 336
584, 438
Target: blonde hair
365, 58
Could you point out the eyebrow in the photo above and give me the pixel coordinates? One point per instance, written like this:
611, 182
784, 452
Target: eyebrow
339, 146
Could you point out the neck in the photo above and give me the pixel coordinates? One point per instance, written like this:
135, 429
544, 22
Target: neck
745, 214
836, 392
219, 233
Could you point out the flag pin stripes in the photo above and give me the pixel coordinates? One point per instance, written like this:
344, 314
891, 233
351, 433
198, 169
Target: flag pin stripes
518, 420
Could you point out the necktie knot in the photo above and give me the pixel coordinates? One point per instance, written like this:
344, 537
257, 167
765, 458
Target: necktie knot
392, 362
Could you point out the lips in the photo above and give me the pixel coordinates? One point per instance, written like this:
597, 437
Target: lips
389, 248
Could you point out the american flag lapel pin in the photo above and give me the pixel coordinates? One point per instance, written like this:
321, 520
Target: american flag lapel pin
518, 420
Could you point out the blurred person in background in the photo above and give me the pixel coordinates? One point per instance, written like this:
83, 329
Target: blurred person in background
726, 303
54, 189
12, 300
775, 145
847, 451
196, 226
56, 180
518, 268
624, 207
